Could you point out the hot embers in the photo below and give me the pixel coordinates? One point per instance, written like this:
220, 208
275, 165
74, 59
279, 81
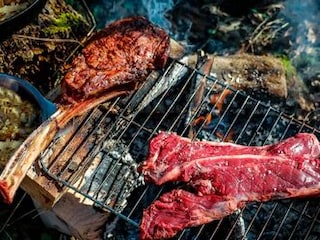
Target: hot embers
226, 174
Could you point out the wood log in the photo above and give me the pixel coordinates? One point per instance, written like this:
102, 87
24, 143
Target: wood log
257, 73
262, 74
70, 216
249, 73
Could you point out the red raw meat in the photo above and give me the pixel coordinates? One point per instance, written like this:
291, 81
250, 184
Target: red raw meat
179, 209
231, 172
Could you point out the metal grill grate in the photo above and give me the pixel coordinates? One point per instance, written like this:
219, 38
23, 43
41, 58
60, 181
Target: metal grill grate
132, 122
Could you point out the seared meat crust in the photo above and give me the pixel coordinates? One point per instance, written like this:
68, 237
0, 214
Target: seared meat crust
119, 56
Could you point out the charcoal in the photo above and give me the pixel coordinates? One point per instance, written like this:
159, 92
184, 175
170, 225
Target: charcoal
115, 176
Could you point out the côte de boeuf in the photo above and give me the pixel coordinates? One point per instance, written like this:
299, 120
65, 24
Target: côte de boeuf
118, 57
114, 62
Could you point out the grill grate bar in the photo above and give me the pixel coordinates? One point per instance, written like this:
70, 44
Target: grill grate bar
214, 233
96, 148
191, 117
282, 221
6, 223
199, 232
84, 164
285, 131
135, 113
250, 118
83, 127
268, 220
312, 224
259, 127
239, 218
135, 206
249, 226
91, 198
235, 119
299, 220
53, 164
272, 129
166, 113
224, 113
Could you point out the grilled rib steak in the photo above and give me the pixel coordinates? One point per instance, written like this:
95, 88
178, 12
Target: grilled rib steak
113, 63
224, 177
119, 56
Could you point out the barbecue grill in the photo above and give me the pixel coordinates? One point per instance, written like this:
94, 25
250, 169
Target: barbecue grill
95, 154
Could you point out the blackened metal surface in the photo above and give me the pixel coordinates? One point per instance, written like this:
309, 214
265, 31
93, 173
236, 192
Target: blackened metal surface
118, 133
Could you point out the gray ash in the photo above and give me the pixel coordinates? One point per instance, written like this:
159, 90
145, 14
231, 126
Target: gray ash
114, 177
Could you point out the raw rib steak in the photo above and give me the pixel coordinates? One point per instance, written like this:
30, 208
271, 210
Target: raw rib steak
227, 173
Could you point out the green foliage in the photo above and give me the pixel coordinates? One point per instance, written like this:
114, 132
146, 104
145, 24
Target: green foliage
64, 23
287, 64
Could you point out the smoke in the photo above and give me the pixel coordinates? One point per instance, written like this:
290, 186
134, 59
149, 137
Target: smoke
305, 16
154, 10
304, 51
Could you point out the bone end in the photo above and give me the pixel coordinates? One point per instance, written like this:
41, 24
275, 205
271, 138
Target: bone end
176, 50
5, 192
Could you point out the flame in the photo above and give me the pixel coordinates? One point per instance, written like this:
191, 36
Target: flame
210, 121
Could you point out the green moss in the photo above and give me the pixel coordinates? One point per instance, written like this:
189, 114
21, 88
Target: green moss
287, 64
64, 23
